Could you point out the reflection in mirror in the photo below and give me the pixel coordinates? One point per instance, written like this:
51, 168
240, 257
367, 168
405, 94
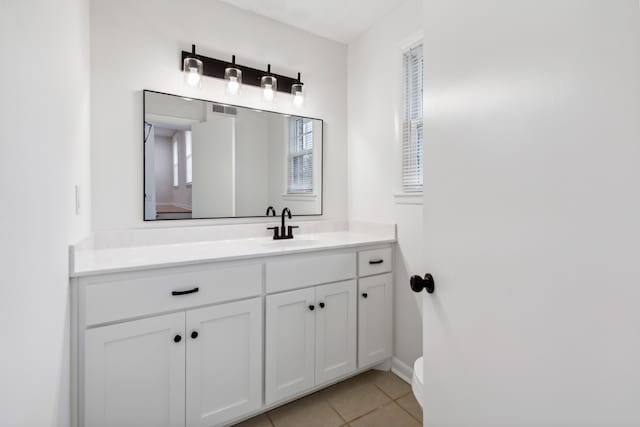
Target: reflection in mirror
208, 160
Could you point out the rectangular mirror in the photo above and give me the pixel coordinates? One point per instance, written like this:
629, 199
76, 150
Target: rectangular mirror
204, 159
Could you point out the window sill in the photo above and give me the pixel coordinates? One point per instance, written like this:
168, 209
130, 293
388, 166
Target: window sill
408, 198
300, 197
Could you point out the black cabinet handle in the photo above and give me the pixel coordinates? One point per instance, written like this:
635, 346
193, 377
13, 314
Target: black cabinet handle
312, 307
321, 305
418, 283
188, 291
177, 338
364, 295
194, 335
376, 261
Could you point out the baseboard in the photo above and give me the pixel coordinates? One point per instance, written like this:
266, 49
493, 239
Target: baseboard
402, 370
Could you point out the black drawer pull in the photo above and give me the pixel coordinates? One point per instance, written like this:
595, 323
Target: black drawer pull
376, 261
189, 291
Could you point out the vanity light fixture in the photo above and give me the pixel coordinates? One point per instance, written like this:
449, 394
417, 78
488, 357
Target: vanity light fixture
269, 85
233, 76
237, 76
193, 69
296, 91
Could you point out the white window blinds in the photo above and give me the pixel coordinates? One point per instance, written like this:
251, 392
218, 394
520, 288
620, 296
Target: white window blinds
412, 134
300, 176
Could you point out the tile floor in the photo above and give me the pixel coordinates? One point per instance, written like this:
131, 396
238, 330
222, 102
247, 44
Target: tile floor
371, 399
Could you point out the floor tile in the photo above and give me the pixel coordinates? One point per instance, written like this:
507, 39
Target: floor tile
390, 415
310, 411
391, 384
411, 405
352, 402
259, 421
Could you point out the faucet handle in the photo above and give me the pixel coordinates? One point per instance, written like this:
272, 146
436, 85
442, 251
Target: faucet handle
276, 235
290, 230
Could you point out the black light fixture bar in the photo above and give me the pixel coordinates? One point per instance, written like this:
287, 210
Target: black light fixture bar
212, 67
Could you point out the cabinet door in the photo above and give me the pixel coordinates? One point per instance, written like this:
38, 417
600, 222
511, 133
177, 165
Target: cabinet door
335, 330
224, 362
290, 364
134, 373
374, 319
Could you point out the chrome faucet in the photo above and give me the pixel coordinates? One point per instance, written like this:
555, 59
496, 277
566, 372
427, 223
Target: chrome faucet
285, 232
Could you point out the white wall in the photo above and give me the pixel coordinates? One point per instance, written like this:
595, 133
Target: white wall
252, 164
44, 114
137, 45
375, 114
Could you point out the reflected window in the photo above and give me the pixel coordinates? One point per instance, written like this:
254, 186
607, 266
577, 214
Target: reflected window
176, 178
300, 176
189, 156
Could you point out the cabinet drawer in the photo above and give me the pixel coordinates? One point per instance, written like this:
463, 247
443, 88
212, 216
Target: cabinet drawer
375, 261
307, 270
109, 299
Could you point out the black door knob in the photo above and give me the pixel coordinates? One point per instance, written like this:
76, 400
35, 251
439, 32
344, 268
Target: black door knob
321, 305
418, 283
364, 295
312, 307
177, 338
194, 334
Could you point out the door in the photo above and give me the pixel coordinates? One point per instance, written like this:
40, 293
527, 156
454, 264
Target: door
149, 172
335, 330
375, 304
531, 208
290, 342
134, 373
224, 362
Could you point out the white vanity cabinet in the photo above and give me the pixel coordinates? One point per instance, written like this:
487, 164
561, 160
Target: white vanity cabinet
310, 338
211, 343
375, 306
224, 362
375, 301
134, 373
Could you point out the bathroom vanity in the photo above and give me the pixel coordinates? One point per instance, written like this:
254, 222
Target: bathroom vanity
207, 333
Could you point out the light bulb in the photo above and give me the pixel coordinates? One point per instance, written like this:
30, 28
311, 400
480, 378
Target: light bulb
193, 77
193, 69
268, 92
296, 91
233, 86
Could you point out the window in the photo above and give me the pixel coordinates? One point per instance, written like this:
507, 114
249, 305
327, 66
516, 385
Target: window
412, 133
188, 156
300, 176
175, 162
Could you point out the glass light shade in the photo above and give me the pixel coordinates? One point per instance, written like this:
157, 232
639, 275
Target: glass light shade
233, 76
192, 68
269, 85
298, 95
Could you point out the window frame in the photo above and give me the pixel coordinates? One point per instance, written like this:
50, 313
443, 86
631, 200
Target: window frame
300, 153
409, 194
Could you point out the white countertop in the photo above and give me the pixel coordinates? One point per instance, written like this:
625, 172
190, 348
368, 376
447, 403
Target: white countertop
94, 261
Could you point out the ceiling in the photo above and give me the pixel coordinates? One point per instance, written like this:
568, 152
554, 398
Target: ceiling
339, 20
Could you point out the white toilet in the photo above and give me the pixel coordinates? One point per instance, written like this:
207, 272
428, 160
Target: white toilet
417, 382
